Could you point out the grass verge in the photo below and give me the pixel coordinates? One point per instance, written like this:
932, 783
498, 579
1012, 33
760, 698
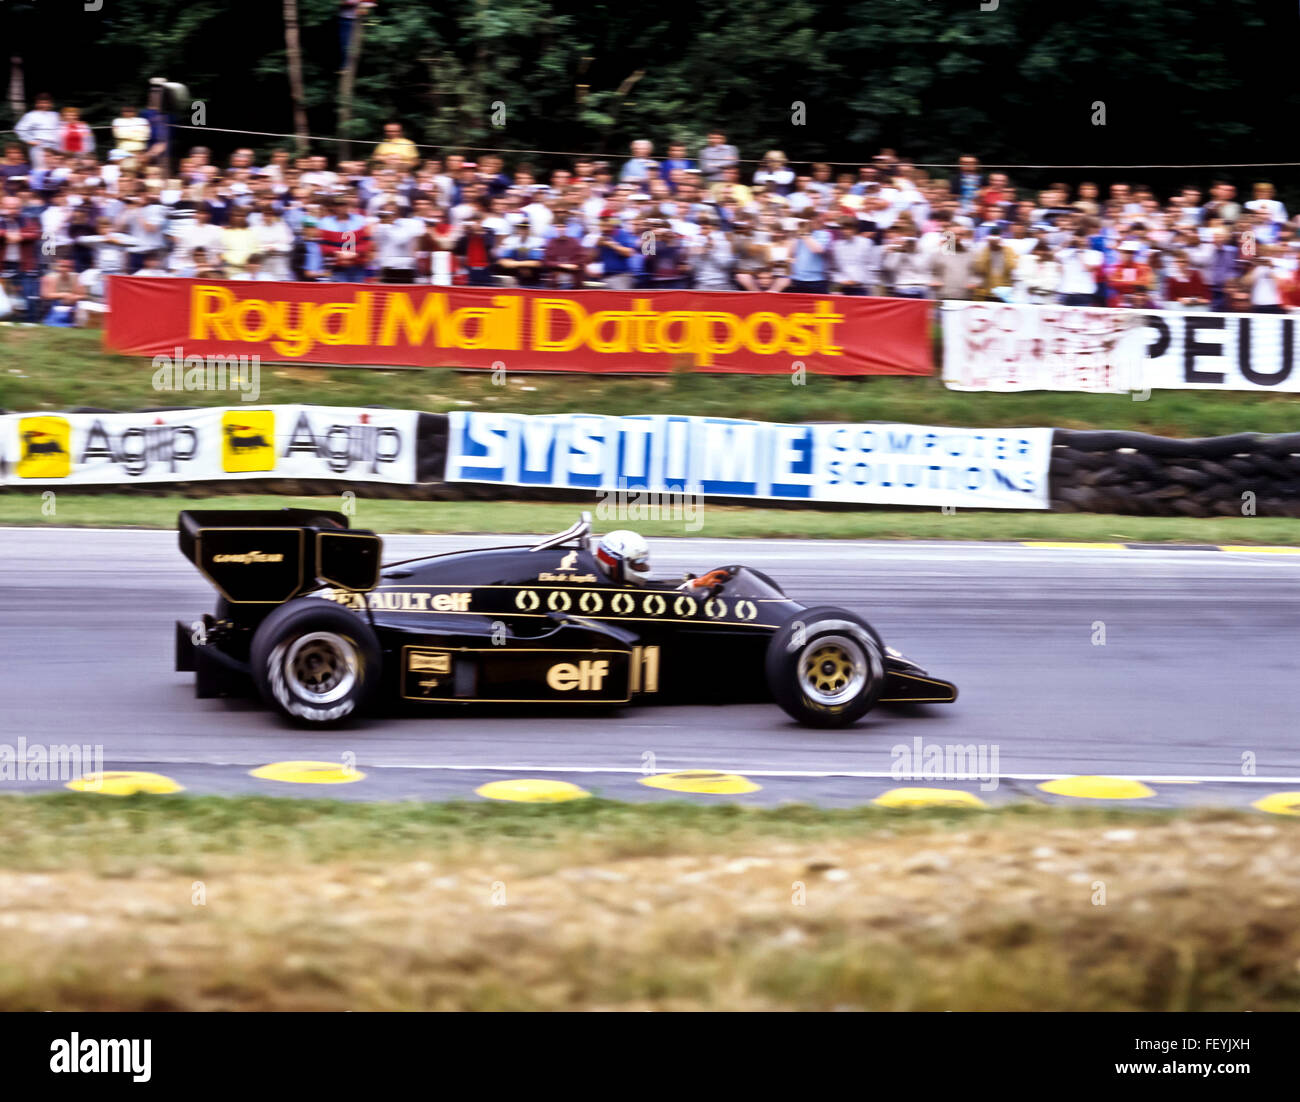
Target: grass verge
383, 515
47, 369
262, 903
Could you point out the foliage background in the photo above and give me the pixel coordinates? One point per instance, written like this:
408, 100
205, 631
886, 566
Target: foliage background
1192, 82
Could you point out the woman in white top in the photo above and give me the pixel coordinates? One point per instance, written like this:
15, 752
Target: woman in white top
774, 171
1037, 277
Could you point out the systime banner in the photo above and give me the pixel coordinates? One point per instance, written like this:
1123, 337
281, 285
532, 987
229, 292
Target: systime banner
885, 464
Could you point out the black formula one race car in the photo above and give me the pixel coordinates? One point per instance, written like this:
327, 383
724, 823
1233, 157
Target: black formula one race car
309, 618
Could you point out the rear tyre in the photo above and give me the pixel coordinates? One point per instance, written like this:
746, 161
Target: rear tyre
314, 662
826, 667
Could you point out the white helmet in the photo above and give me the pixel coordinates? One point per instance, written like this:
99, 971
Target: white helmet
623, 555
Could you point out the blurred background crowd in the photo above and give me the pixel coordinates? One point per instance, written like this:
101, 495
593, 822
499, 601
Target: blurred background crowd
77, 205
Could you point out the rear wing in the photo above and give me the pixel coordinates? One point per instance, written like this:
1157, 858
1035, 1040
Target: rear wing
269, 556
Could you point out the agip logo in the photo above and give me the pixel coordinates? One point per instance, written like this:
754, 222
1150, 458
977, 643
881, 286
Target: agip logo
248, 440
44, 447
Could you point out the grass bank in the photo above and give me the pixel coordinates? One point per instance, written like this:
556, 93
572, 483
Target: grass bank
46, 369
382, 515
260, 903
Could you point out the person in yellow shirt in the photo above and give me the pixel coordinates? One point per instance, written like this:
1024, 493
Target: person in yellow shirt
730, 190
238, 243
396, 149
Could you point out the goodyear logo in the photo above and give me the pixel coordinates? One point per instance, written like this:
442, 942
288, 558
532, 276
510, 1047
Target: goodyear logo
245, 558
248, 440
45, 447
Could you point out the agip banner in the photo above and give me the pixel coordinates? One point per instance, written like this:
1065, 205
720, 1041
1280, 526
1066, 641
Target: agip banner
1006, 347
650, 332
279, 441
882, 464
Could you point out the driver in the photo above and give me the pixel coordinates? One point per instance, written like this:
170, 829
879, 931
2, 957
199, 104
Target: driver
624, 557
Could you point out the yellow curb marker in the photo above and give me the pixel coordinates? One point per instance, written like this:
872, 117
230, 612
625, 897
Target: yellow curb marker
703, 782
928, 797
1098, 788
530, 790
124, 783
307, 772
1280, 803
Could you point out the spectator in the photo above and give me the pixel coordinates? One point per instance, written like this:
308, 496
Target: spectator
993, 268
1037, 278
476, 247
238, 246
1184, 287
810, 270
950, 264
74, 135
308, 257
60, 292
273, 243
20, 277
396, 149
1222, 268
345, 239
1080, 269
774, 172
855, 261
1128, 279
711, 257
38, 130
904, 267
717, 156
564, 260
639, 167
614, 247
1263, 282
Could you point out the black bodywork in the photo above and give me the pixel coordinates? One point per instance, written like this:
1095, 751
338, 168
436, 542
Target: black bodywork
509, 625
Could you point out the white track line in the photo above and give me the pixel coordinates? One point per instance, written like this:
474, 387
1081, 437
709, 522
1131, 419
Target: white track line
852, 774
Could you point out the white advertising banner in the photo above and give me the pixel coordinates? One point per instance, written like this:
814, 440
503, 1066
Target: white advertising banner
1008, 347
882, 464
286, 441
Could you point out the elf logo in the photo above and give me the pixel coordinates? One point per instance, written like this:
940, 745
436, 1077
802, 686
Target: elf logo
585, 676
248, 440
46, 447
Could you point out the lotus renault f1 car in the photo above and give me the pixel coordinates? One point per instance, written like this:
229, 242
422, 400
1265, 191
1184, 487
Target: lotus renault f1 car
309, 619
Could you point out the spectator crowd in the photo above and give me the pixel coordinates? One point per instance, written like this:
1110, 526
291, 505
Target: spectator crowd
76, 207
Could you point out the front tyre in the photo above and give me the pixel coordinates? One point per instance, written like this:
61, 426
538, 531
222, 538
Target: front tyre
826, 667
314, 662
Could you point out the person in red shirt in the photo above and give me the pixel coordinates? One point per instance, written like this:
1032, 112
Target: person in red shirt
1185, 287
1128, 277
74, 135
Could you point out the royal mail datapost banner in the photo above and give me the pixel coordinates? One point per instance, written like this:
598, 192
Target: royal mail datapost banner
875, 463
521, 329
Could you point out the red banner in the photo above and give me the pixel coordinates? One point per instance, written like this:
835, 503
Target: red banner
643, 332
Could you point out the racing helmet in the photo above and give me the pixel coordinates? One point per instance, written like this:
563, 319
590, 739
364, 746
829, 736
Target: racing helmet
624, 557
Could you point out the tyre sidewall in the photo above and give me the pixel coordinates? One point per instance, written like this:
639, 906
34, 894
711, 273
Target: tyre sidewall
784, 658
303, 617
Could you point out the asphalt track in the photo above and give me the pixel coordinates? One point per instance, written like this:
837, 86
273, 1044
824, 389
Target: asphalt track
1196, 687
